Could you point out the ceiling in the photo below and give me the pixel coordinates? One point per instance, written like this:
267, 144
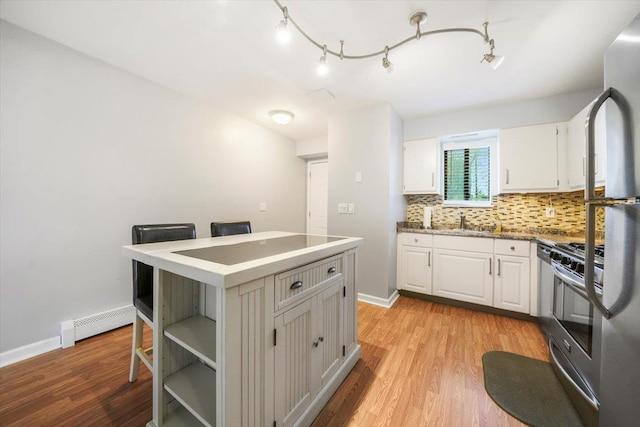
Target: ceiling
224, 52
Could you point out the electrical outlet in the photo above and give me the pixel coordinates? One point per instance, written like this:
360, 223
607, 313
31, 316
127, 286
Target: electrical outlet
550, 212
343, 208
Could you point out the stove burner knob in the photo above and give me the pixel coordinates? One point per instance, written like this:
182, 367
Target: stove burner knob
565, 260
574, 265
556, 256
580, 268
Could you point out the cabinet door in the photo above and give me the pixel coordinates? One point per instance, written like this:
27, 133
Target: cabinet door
327, 344
576, 156
421, 166
416, 272
293, 362
512, 283
529, 158
464, 276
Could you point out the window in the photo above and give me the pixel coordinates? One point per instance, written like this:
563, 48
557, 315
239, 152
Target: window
467, 170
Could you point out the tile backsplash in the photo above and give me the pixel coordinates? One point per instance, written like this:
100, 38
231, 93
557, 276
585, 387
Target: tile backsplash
517, 212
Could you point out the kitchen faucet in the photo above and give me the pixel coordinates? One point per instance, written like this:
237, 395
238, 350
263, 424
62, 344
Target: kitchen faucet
463, 224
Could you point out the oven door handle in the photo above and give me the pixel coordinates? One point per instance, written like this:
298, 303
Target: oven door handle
590, 399
575, 285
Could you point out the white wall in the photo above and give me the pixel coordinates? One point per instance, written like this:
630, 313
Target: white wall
312, 148
87, 150
368, 141
549, 109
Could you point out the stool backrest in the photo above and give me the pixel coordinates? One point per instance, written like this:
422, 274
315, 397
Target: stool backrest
153, 233
229, 228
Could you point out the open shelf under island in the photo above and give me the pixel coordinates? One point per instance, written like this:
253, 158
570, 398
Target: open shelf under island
250, 330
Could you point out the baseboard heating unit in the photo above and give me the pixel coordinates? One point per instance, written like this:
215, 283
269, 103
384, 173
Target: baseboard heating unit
94, 324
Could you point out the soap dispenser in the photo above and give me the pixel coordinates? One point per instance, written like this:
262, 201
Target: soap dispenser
497, 225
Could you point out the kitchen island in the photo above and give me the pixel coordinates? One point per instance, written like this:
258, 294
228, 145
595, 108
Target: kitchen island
250, 330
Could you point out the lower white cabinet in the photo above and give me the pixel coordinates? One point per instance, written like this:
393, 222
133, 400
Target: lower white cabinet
511, 283
415, 261
463, 276
479, 270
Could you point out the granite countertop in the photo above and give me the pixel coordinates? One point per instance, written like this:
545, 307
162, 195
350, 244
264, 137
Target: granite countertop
549, 238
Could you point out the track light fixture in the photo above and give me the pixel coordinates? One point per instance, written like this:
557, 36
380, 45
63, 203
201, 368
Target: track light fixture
323, 68
283, 35
493, 60
416, 19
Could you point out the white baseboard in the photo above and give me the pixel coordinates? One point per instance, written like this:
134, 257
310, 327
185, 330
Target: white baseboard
386, 303
29, 350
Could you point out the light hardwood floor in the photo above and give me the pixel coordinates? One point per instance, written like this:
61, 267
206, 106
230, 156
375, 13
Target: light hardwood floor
421, 365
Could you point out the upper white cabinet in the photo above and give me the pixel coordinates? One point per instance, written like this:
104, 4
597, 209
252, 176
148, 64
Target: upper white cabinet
529, 158
421, 160
576, 151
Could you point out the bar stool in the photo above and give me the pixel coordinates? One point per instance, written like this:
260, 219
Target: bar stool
229, 228
143, 286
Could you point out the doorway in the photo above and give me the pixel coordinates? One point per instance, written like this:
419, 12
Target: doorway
317, 196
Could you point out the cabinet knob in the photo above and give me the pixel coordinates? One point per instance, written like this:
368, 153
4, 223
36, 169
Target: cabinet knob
321, 339
295, 285
513, 248
415, 240
332, 270
315, 344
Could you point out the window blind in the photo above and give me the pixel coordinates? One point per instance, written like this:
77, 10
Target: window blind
467, 174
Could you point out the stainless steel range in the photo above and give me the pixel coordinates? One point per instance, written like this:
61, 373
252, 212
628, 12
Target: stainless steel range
571, 323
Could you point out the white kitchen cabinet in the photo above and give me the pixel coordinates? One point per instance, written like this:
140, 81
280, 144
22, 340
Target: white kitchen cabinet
415, 262
576, 150
529, 158
511, 283
420, 168
479, 270
463, 276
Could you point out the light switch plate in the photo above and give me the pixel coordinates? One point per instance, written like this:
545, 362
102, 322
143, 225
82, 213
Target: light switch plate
263, 206
352, 208
358, 176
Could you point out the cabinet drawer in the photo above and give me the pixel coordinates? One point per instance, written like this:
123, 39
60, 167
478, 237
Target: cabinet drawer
294, 285
512, 247
460, 243
416, 239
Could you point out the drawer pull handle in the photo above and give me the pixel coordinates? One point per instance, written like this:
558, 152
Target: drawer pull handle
332, 270
295, 285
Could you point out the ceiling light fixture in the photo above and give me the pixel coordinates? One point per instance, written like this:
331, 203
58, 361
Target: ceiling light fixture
323, 68
416, 19
493, 60
283, 35
281, 117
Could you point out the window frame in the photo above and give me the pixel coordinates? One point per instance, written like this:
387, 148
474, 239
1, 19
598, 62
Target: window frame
461, 142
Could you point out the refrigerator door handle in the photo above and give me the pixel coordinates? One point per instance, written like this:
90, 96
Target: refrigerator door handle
590, 171
591, 201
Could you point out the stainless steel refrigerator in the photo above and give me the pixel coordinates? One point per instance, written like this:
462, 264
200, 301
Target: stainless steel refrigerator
620, 302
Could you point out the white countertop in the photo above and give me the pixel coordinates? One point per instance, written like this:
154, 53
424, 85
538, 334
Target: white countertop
162, 255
